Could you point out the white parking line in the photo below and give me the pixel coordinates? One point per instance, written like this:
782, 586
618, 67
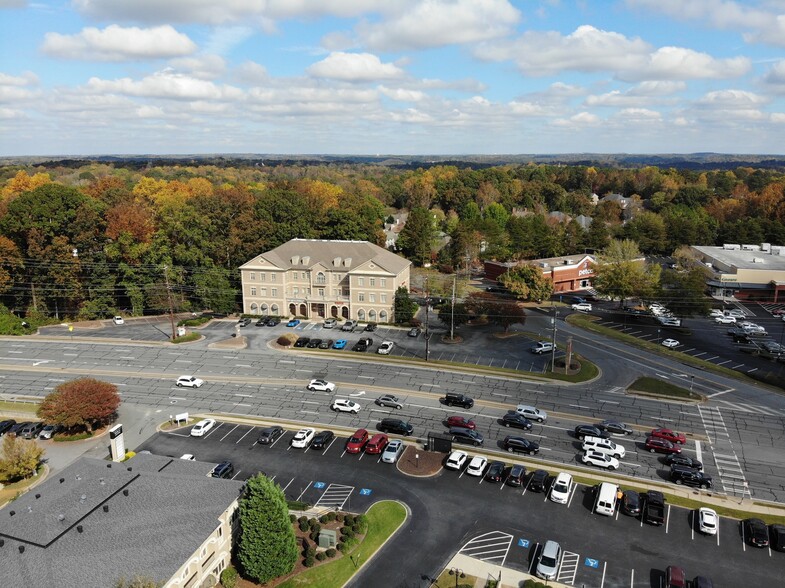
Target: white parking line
243, 437
229, 433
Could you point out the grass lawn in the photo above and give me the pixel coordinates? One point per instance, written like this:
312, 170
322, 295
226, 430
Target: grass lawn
384, 518
662, 388
10, 491
6, 406
445, 580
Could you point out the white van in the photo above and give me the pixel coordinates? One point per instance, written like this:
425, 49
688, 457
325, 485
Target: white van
607, 495
603, 446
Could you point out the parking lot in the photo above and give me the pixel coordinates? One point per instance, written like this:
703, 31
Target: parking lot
450, 512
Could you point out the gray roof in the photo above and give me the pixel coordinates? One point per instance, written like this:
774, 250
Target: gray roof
742, 259
349, 255
170, 509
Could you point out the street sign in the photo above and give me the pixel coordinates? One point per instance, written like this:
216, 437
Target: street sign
365, 491
591, 563
319, 485
523, 542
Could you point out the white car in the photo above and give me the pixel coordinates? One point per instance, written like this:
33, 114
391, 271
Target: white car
189, 382
591, 443
303, 438
532, 413
602, 460
707, 521
476, 466
456, 460
200, 428
670, 343
582, 306
725, 320
321, 385
715, 312
345, 405
188, 457
736, 313
385, 348
118, 320
562, 486
393, 451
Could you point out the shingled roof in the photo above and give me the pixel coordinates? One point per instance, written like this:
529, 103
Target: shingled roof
97, 521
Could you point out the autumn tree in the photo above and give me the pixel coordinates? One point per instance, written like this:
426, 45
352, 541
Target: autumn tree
527, 282
20, 458
267, 546
81, 404
506, 313
621, 272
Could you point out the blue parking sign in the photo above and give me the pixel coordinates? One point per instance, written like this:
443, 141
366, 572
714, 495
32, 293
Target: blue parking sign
319, 485
592, 563
365, 491
523, 542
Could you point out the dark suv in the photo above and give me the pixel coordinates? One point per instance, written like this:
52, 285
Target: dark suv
462, 435
31, 430
513, 419
452, 399
225, 469
686, 475
6, 425
396, 426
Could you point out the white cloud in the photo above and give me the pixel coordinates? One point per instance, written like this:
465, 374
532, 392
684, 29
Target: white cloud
205, 67
778, 117
115, 43
17, 88
164, 84
354, 67
250, 72
581, 119
435, 23
10, 114
589, 49
403, 94
775, 77
223, 39
638, 114
758, 24
657, 88
645, 93
732, 99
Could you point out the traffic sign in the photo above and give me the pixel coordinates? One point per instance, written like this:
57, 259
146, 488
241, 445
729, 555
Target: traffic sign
523, 542
591, 563
365, 491
319, 485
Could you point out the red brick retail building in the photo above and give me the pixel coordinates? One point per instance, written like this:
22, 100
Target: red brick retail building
569, 273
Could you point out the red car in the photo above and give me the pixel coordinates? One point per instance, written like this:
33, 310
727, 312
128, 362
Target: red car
669, 435
459, 421
357, 441
377, 443
657, 445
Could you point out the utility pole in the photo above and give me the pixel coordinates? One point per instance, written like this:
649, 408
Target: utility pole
427, 334
553, 340
169, 298
452, 311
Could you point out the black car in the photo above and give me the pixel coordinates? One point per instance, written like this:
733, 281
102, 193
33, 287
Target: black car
302, 341
326, 344
397, 426
495, 471
683, 460
273, 321
631, 503
513, 419
16, 429
520, 445
414, 332
515, 477
755, 532
463, 435
6, 425
690, 477
262, 321
268, 435
615, 427
314, 343
225, 469
31, 431
322, 439
702, 582
453, 399
777, 537
371, 327
363, 344
582, 431
539, 481
244, 322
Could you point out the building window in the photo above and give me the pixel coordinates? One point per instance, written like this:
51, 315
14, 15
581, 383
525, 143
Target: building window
305, 276
371, 297
274, 292
296, 291
272, 277
264, 291
253, 275
361, 297
253, 291
320, 279
262, 277
373, 281
383, 298
274, 309
383, 316
371, 315
254, 308
383, 282
321, 292
361, 315
361, 281
264, 309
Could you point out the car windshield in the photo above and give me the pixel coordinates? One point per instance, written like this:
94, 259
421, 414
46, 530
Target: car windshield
356, 439
561, 487
548, 561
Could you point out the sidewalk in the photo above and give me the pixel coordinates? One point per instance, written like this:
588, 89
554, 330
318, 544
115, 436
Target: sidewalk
485, 571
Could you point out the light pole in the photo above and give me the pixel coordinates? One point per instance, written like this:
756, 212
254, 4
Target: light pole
553, 340
457, 573
658, 335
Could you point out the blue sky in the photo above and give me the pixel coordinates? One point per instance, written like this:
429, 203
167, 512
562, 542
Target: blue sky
448, 77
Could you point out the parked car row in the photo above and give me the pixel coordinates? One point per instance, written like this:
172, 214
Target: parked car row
28, 429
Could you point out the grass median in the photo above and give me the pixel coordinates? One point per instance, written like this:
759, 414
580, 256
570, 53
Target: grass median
655, 387
384, 518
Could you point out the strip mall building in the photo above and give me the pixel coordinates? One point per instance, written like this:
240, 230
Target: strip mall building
569, 273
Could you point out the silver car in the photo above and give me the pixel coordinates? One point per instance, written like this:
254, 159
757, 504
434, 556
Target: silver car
393, 451
548, 566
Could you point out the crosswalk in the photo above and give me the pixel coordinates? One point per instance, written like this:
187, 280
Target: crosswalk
753, 408
491, 547
334, 497
725, 458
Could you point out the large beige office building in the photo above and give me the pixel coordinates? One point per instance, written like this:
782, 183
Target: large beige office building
314, 278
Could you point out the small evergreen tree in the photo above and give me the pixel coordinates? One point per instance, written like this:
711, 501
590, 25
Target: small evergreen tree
267, 546
405, 307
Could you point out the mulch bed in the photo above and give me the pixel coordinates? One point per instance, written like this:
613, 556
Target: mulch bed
429, 463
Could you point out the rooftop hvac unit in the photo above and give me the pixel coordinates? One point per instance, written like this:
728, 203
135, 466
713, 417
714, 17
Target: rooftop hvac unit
751, 247
543, 264
731, 247
568, 262
757, 260
765, 246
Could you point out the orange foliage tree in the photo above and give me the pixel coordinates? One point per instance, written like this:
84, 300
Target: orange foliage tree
81, 404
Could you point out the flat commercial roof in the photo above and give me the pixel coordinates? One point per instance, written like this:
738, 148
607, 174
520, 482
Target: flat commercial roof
742, 259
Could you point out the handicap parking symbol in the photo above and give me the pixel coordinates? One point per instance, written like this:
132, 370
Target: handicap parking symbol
319, 485
523, 542
365, 491
592, 563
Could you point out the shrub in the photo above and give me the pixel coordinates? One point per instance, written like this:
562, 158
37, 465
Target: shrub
312, 523
77, 437
357, 530
302, 520
323, 519
321, 556
316, 527
286, 340
308, 562
187, 338
229, 577
292, 518
350, 544
310, 552
339, 517
298, 505
339, 546
331, 552
303, 525
348, 520
331, 516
